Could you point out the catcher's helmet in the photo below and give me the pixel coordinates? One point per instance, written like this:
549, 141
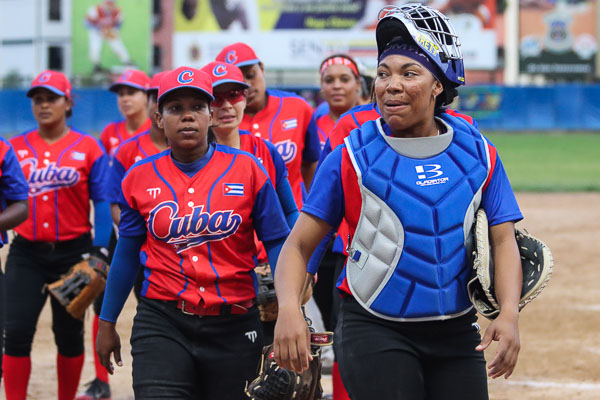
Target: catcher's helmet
428, 29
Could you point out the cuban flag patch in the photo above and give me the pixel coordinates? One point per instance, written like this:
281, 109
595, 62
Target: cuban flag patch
233, 189
77, 155
289, 124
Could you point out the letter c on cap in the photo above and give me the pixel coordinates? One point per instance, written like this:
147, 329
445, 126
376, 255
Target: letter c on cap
45, 77
231, 57
185, 77
220, 70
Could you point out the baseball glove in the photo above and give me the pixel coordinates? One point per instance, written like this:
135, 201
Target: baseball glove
78, 288
536, 262
266, 297
275, 383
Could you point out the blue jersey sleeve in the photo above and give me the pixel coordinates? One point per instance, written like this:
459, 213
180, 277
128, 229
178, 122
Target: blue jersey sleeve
324, 153
98, 179
13, 185
117, 172
121, 277
326, 198
280, 168
269, 221
132, 223
499, 200
312, 144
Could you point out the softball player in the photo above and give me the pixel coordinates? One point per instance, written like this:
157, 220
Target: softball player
340, 86
230, 90
132, 100
189, 214
126, 154
408, 185
13, 211
283, 118
65, 169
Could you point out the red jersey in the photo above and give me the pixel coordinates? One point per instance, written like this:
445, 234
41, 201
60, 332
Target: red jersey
286, 122
199, 227
13, 186
63, 177
273, 163
128, 153
116, 133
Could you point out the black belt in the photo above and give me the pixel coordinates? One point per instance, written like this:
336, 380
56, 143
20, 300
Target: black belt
82, 242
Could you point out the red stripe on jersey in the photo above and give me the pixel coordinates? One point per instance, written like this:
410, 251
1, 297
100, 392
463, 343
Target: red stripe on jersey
324, 126
493, 156
116, 133
348, 122
460, 115
353, 203
258, 147
58, 175
199, 244
284, 122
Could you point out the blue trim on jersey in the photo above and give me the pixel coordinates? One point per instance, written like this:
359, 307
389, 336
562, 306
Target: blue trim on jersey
164, 180
274, 118
62, 153
208, 210
185, 285
147, 273
33, 199
192, 168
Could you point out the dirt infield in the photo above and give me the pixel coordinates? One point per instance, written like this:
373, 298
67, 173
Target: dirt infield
560, 342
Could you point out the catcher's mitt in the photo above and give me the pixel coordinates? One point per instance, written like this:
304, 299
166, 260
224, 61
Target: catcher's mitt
536, 262
78, 288
275, 383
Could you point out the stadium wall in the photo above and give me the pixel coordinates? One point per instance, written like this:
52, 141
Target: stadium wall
498, 108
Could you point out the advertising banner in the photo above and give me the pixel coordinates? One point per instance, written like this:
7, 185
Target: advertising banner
299, 34
109, 36
558, 38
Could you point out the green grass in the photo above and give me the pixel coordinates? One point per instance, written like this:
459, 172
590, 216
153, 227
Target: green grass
552, 162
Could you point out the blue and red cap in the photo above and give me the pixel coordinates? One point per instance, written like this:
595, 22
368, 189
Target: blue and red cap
155, 81
238, 54
185, 78
133, 78
54, 81
221, 73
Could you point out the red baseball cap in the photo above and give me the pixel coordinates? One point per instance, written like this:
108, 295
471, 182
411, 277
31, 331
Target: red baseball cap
155, 81
185, 77
133, 78
54, 81
238, 54
221, 73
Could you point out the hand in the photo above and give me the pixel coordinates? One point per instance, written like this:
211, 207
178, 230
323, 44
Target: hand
292, 340
108, 342
505, 331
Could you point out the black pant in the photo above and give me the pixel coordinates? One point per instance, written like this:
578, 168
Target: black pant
388, 360
179, 356
2, 307
325, 293
29, 267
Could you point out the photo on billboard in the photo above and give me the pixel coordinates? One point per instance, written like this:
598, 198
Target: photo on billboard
110, 36
298, 34
558, 38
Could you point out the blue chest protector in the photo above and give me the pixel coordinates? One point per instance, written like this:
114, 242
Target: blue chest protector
408, 256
